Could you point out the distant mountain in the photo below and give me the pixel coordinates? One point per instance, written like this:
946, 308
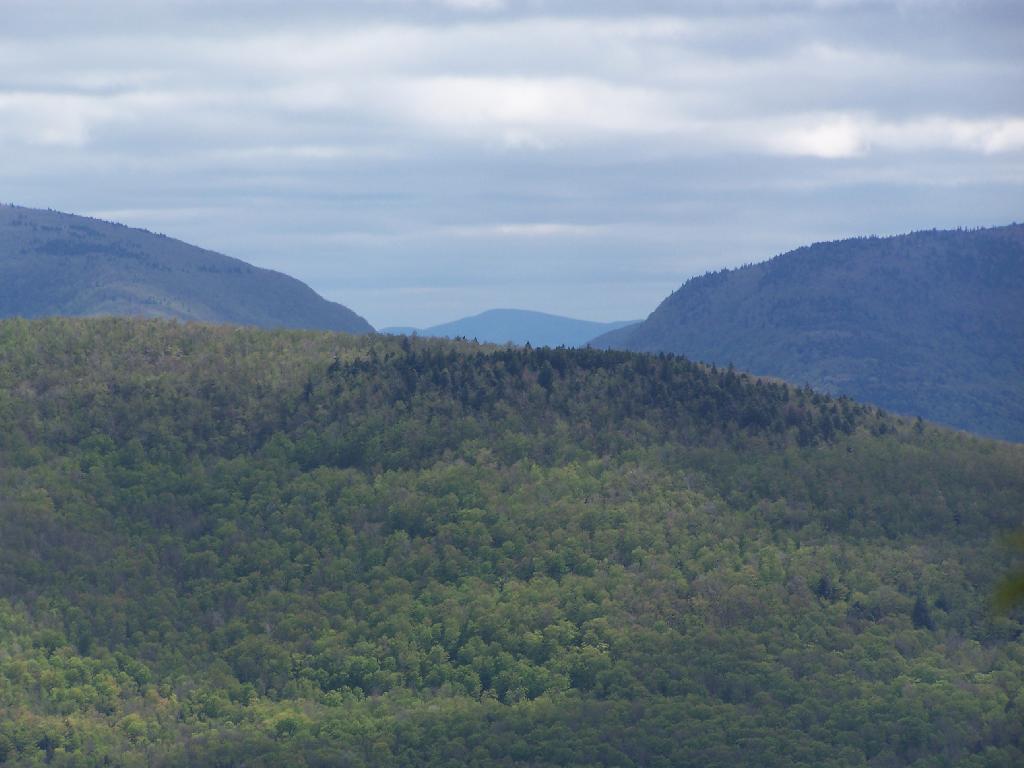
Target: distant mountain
54, 263
519, 326
929, 324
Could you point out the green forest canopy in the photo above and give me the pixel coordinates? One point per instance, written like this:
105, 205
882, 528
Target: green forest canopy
224, 546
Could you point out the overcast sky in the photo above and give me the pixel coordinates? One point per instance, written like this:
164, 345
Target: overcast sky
421, 160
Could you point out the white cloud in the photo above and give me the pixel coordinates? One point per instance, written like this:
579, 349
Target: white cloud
411, 133
846, 135
530, 112
314, 152
988, 136
473, 5
690, 84
529, 230
51, 119
830, 138
71, 119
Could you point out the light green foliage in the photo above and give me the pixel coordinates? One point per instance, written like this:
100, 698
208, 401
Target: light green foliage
223, 546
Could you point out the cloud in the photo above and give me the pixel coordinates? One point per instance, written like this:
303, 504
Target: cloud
829, 138
846, 136
530, 112
302, 152
46, 119
365, 143
530, 230
692, 84
991, 136
473, 5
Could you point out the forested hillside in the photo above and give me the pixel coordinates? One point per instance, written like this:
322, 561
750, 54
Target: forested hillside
54, 263
927, 324
226, 546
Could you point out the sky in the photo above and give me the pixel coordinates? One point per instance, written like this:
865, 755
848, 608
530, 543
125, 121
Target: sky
423, 160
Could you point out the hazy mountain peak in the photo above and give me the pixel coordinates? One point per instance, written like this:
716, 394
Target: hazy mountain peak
519, 326
927, 323
54, 263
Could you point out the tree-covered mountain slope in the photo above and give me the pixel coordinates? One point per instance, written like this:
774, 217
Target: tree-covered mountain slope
519, 326
54, 263
927, 324
225, 546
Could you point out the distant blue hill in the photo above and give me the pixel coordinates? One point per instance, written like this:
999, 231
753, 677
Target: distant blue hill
929, 324
54, 263
519, 326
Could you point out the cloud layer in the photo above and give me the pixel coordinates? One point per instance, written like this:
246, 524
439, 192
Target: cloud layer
422, 160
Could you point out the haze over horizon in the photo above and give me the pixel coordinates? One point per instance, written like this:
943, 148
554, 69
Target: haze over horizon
423, 161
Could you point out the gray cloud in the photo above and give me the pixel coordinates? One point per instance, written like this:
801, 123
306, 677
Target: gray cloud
419, 160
